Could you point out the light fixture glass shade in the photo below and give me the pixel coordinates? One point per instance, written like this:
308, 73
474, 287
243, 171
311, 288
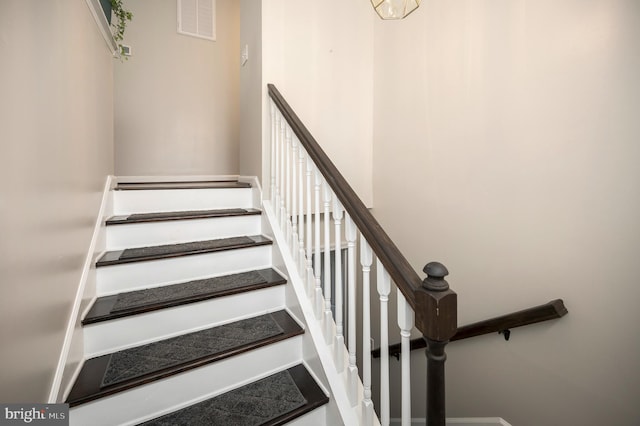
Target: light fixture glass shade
394, 9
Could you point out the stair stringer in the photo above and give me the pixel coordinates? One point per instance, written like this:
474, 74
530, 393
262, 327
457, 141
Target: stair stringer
318, 356
72, 351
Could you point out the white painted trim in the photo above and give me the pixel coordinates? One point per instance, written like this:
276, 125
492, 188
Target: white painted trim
256, 189
103, 26
253, 180
73, 319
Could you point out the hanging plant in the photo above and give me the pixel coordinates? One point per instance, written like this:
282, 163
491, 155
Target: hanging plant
123, 16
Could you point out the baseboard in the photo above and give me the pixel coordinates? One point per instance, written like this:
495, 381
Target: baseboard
459, 421
96, 245
477, 421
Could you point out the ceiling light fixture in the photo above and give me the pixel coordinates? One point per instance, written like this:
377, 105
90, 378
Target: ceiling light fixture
394, 9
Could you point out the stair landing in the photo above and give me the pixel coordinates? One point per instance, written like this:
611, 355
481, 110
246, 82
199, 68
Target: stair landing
180, 185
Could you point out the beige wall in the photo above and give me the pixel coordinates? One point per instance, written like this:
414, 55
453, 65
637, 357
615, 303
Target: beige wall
56, 133
250, 149
320, 56
177, 97
506, 146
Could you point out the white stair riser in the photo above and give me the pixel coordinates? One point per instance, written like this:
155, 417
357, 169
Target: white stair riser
312, 418
175, 392
110, 336
180, 231
115, 279
167, 200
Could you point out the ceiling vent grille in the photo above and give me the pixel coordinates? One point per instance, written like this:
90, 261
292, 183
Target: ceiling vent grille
197, 18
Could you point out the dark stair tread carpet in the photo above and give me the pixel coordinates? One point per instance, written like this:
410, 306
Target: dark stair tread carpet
273, 400
182, 185
179, 215
135, 302
142, 360
181, 249
112, 373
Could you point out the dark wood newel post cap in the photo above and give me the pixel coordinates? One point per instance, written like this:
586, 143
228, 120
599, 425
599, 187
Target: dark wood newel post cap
436, 305
435, 281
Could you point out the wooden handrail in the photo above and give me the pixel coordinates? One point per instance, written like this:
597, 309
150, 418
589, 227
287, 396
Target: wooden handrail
551, 310
401, 272
433, 302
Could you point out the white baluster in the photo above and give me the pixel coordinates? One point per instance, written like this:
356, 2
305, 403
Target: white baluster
272, 172
366, 258
277, 143
318, 297
384, 288
352, 378
293, 243
309, 214
284, 144
405, 322
328, 318
338, 348
302, 263
287, 210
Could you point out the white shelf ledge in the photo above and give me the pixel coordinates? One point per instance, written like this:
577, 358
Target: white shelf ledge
103, 25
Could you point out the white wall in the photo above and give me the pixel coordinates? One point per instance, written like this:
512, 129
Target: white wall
506, 146
320, 56
56, 149
177, 97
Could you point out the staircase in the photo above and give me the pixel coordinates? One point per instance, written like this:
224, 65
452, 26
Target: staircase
192, 323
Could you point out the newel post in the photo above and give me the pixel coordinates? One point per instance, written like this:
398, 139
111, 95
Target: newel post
436, 316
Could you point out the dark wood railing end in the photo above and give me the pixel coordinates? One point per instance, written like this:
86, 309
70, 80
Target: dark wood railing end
552, 310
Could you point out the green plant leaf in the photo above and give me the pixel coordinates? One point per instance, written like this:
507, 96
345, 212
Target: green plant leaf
123, 16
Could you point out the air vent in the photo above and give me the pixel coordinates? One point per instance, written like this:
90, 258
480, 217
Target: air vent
197, 18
